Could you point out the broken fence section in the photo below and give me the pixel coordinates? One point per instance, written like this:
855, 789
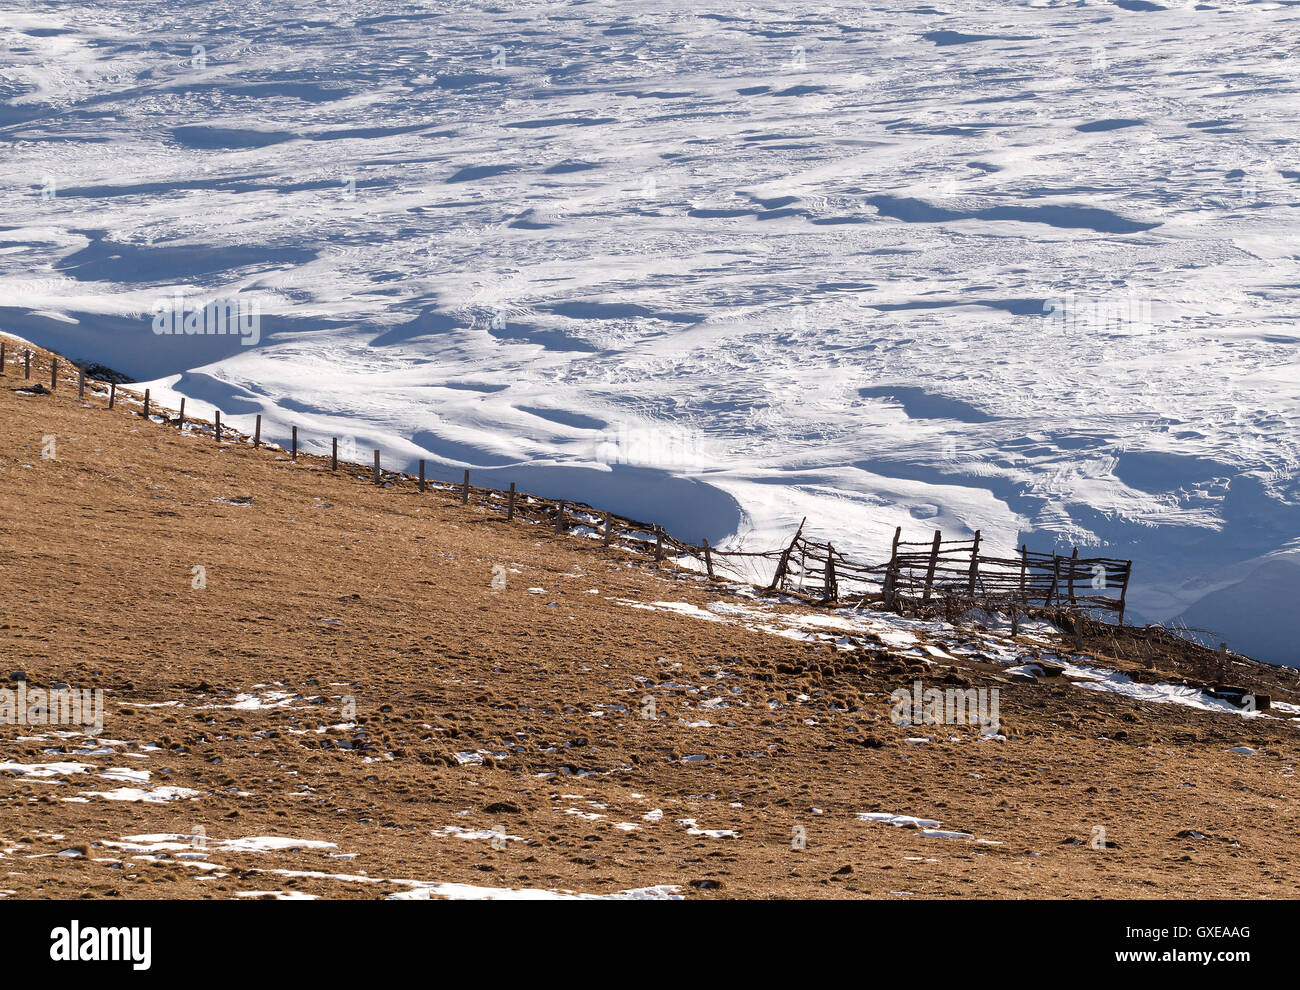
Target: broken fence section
936, 571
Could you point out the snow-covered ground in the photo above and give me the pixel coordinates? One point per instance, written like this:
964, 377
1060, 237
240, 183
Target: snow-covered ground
1022, 267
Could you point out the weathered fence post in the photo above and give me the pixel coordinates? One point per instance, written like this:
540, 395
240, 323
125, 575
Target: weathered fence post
891, 571
180, 418
1123, 591
146, 403
784, 562
2, 357
934, 562
974, 567
659, 542
1018, 600
1223, 664
510, 502
81, 381
559, 517
257, 432
54, 373
609, 529
218, 426
376, 466
27, 363
293, 445
708, 557
421, 474
112, 394
1074, 557
830, 591
1056, 580
464, 491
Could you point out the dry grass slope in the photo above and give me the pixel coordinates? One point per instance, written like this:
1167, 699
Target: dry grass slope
323, 591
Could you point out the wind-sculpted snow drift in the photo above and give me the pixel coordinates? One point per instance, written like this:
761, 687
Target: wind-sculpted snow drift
1027, 268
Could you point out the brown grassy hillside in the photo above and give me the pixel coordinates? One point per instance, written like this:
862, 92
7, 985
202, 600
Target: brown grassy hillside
325, 592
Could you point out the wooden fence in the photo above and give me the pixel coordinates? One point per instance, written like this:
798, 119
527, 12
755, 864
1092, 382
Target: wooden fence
916, 575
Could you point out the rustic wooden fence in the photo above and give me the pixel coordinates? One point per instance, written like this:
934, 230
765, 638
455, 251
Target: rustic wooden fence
915, 576
935, 571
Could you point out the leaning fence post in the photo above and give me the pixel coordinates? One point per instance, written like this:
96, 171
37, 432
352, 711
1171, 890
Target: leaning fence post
934, 562
510, 503
974, 566
112, 394
464, 490
180, 418
659, 542
784, 562
218, 426
832, 593
708, 558
1056, 580
376, 466
1073, 558
891, 570
146, 403
421, 474
1123, 590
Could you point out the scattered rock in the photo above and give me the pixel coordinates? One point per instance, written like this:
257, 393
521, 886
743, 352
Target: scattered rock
871, 742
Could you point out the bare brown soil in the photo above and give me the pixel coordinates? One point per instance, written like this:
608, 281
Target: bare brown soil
324, 587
